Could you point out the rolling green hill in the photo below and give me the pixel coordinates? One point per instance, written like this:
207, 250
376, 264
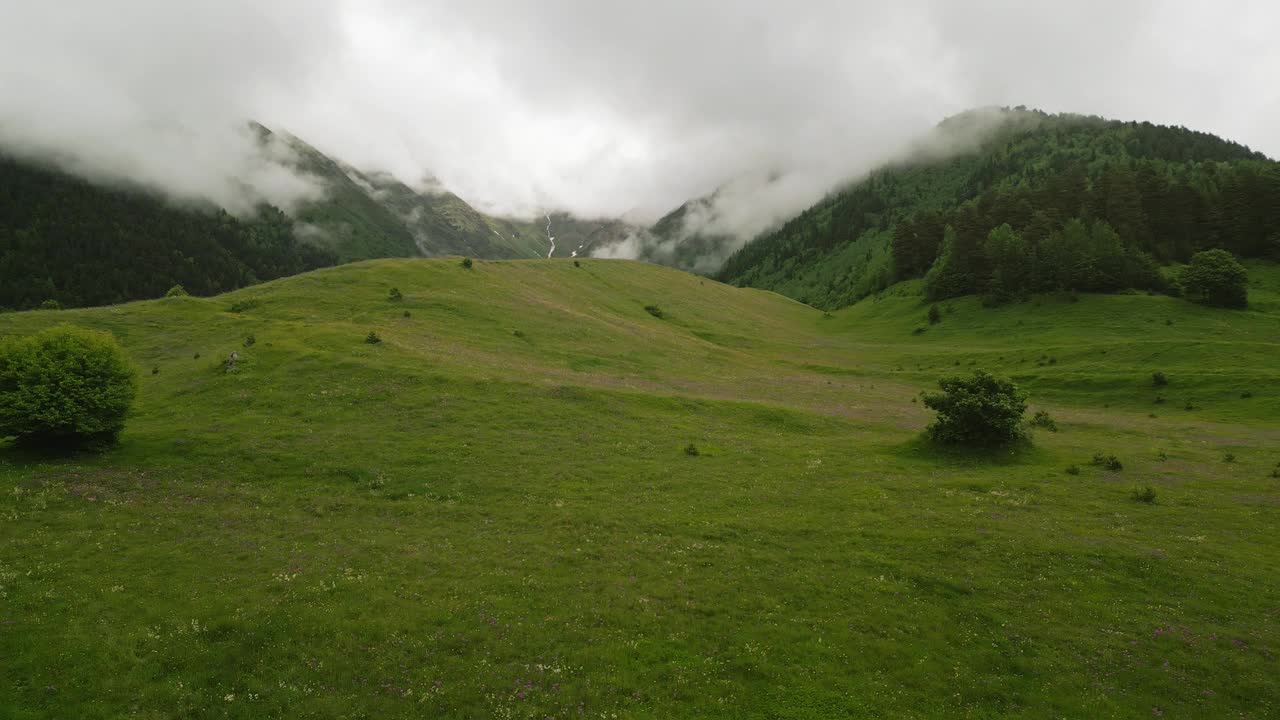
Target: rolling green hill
494, 511
1167, 192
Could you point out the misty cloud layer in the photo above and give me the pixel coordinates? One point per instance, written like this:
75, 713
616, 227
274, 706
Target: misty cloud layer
598, 108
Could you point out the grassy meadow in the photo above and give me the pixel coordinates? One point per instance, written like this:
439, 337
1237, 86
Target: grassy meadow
495, 511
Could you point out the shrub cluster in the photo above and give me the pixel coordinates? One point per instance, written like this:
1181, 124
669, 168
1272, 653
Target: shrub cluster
1107, 462
65, 385
981, 410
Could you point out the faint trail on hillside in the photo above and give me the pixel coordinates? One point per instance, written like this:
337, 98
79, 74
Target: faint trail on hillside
550, 238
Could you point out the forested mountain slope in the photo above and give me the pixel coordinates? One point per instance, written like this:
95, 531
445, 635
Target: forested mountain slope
70, 241
75, 242
1142, 194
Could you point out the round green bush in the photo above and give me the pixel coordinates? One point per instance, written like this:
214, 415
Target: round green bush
65, 385
1215, 277
980, 410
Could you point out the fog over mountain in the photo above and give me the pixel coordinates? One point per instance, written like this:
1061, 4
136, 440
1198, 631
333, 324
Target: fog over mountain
597, 108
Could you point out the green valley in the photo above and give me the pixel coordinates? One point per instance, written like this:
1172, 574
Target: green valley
533, 498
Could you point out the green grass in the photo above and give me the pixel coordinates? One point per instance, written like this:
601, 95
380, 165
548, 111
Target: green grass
492, 513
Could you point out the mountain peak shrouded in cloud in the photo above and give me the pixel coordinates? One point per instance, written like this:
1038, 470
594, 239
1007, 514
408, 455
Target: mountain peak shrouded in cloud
593, 108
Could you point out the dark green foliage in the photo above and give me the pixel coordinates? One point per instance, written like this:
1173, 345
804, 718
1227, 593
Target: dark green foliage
241, 306
691, 450
981, 410
195, 356
654, 310
1246, 395
406, 313
64, 385
577, 264
249, 340
1145, 494
934, 316
394, 295
919, 331
50, 305
373, 338
155, 370
1073, 469
466, 263
1159, 379
1138, 194
1228, 457
176, 291
66, 239
1042, 420
1215, 277
1107, 462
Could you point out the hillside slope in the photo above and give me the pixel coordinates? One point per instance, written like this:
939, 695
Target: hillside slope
75, 243
78, 243
1166, 191
535, 498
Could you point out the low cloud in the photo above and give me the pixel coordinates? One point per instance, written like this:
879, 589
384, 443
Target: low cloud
713, 227
596, 108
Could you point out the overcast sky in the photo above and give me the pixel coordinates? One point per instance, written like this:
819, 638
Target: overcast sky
595, 106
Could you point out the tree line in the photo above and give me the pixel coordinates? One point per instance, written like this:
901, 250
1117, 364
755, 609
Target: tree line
65, 240
1165, 192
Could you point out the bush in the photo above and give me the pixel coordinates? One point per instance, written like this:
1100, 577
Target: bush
466, 263
1145, 494
1215, 277
249, 340
50, 305
1107, 462
691, 450
981, 410
654, 310
577, 264
394, 295
1073, 469
176, 291
240, 306
372, 338
1158, 379
65, 385
1043, 421
935, 315
1229, 457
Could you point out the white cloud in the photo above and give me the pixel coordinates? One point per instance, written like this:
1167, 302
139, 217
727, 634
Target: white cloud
597, 107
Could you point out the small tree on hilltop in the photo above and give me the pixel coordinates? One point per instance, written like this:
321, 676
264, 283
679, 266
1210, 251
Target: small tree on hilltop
66, 386
981, 410
1215, 277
